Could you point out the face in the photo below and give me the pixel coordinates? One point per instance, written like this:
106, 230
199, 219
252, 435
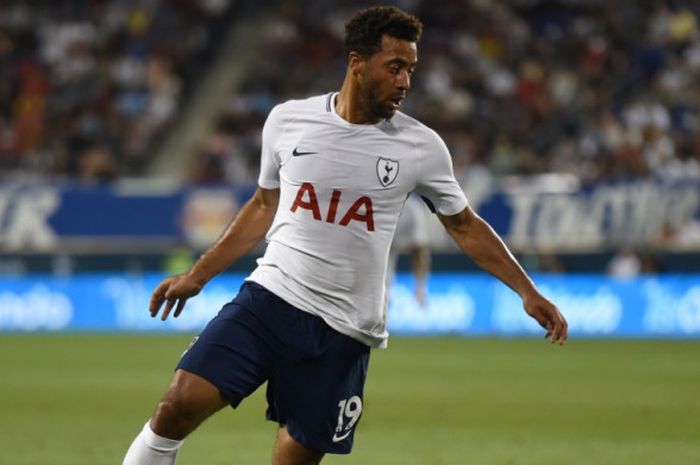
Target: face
385, 77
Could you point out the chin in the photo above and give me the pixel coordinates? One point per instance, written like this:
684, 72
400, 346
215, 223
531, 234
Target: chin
381, 111
384, 112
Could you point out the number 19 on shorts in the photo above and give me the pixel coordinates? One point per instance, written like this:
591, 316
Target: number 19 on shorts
349, 411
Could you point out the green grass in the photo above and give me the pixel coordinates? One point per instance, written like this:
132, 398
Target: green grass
81, 399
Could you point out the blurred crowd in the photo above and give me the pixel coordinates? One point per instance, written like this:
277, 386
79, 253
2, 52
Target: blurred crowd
595, 89
88, 86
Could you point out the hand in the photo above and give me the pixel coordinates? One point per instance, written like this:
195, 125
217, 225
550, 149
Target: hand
548, 316
421, 297
174, 289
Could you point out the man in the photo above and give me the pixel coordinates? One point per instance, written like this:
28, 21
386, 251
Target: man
411, 238
335, 172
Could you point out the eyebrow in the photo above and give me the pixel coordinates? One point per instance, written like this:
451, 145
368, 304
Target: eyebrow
402, 62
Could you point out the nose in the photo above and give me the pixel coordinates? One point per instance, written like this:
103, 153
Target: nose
403, 80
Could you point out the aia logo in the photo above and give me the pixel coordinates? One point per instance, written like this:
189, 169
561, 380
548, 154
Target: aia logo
387, 170
361, 210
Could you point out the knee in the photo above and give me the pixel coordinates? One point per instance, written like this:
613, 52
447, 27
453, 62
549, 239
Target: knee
188, 402
175, 416
288, 451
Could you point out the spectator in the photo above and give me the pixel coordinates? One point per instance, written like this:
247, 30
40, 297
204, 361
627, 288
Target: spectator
625, 264
577, 87
105, 74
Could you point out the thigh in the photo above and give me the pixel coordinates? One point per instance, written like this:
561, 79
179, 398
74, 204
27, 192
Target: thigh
233, 352
318, 394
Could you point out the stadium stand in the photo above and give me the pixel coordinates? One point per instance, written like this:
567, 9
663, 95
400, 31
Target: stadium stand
579, 91
587, 88
88, 88
594, 89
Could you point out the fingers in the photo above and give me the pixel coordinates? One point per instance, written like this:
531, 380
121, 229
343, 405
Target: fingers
549, 317
157, 298
168, 307
164, 293
180, 306
558, 330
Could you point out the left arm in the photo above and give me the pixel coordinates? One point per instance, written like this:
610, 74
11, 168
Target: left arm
481, 243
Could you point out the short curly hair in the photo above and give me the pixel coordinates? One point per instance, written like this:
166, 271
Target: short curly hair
363, 33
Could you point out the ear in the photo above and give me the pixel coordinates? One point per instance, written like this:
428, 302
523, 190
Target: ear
356, 63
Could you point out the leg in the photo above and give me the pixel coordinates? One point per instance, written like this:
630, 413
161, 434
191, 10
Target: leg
290, 452
188, 401
222, 366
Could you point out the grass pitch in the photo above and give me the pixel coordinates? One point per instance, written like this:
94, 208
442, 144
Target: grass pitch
79, 399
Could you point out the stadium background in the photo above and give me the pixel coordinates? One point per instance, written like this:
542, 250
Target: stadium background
129, 135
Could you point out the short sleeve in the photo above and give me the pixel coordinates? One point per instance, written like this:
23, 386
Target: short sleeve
269, 156
436, 181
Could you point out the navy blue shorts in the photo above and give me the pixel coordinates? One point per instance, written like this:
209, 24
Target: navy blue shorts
315, 375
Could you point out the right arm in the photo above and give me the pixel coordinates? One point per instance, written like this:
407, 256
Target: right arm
480, 242
247, 228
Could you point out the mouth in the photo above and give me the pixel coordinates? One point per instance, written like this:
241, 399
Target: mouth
395, 102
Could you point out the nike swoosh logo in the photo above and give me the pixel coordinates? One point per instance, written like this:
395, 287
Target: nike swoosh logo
337, 438
297, 153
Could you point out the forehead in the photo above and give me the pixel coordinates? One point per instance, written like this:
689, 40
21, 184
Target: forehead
393, 48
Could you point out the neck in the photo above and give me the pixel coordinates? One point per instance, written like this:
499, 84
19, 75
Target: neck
351, 106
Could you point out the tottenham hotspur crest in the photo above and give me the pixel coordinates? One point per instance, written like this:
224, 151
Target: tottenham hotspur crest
387, 170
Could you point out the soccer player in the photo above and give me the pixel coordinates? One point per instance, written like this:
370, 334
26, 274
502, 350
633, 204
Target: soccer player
336, 170
411, 237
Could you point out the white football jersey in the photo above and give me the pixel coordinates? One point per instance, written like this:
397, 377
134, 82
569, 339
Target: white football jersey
342, 187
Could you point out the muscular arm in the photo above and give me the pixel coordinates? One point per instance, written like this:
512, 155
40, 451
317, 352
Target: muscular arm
481, 243
246, 229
